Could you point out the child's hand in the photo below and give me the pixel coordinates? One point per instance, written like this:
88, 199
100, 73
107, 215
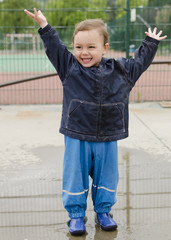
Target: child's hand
154, 35
38, 17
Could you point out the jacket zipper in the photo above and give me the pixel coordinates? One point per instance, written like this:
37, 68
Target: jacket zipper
100, 103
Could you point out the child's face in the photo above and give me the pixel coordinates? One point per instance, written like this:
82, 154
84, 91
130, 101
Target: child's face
89, 47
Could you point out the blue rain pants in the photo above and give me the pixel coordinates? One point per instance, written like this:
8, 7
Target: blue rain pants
100, 161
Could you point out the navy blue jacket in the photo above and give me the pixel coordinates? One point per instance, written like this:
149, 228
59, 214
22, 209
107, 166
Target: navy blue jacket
95, 99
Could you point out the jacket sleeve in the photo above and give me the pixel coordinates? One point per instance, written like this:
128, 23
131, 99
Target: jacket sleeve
144, 56
56, 51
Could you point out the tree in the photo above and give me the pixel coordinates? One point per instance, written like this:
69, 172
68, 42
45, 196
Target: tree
13, 18
158, 3
63, 15
69, 12
121, 6
163, 18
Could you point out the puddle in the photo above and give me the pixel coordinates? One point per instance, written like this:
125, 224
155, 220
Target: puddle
31, 205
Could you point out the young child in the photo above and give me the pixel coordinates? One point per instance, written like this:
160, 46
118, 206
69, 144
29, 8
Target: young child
95, 113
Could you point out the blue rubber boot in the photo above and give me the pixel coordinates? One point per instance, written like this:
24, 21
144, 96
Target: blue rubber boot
77, 226
106, 221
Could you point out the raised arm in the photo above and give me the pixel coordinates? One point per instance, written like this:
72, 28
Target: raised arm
56, 51
143, 56
37, 17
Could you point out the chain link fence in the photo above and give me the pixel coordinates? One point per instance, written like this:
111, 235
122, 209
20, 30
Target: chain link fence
22, 54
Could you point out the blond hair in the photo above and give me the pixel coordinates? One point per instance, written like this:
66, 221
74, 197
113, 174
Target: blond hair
90, 24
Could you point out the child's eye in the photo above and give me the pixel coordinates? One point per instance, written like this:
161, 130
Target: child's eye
91, 46
78, 47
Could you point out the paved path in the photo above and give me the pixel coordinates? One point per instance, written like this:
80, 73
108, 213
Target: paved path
31, 153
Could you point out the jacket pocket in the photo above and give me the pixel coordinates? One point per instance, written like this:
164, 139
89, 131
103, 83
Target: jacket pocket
82, 117
112, 119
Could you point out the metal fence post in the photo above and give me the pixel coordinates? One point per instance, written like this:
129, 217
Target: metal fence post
127, 43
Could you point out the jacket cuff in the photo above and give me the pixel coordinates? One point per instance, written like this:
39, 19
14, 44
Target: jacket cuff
153, 40
41, 31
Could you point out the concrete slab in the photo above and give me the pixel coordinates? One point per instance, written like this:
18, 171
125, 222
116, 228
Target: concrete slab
31, 154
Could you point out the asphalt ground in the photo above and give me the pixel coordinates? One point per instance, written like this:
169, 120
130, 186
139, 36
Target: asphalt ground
31, 156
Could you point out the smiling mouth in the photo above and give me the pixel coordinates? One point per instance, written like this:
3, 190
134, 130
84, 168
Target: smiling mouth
86, 60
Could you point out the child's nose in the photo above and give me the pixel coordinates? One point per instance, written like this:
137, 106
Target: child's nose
84, 51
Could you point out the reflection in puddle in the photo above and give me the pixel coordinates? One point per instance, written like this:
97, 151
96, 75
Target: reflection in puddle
102, 235
126, 157
98, 235
147, 190
32, 209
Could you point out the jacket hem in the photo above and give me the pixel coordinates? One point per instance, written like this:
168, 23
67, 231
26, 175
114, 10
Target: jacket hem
93, 138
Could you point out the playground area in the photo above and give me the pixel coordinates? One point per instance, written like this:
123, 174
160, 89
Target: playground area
31, 157
31, 148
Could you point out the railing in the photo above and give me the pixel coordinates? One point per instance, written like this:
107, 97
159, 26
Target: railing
152, 86
55, 74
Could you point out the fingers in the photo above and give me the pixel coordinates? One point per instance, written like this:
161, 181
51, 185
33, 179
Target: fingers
159, 34
161, 38
29, 13
149, 31
154, 34
35, 12
154, 30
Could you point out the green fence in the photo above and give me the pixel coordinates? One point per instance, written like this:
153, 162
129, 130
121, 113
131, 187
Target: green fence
22, 54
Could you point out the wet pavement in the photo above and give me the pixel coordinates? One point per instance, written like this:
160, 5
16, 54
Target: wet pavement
31, 155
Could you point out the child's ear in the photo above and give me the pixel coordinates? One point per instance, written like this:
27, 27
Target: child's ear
106, 47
